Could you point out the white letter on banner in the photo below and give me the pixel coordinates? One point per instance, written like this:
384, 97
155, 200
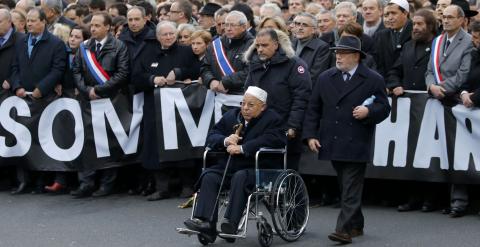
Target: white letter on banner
45, 128
397, 132
427, 146
225, 99
128, 143
171, 97
21, 133
466, 143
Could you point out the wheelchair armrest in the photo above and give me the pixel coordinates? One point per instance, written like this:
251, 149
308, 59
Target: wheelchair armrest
272, 150
265, 150
209, 152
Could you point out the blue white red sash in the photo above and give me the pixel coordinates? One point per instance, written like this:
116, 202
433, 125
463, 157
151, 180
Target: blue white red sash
94, 66
435, 58
221, 58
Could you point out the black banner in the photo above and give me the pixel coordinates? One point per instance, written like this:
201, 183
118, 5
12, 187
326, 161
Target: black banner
421, 140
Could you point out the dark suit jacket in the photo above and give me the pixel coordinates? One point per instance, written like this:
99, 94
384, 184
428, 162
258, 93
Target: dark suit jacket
316, 55
385, 51
409, 69
7, 54
264, 131
472, 84
43, 69
329, 115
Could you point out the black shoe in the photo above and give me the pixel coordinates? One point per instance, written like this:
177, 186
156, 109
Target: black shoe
38, 190
199, 226
158, 195
456, 212
428, 207
407, 207
341, 237
228, 227
22, 187
446, 211
81, 192
102, 192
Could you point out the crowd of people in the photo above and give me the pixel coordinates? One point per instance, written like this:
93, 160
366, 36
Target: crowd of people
289, 48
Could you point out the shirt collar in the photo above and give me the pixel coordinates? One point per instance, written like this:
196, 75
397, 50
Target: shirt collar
103, 41
352, 71
8, 34
451, 38
38, 37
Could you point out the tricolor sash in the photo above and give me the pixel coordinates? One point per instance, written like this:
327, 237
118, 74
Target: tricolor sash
221, 58
94, 66
435, 58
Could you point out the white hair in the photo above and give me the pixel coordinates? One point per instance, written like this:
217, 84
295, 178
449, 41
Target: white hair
347, 5
273, 7
242, 19
162, 24
4, 13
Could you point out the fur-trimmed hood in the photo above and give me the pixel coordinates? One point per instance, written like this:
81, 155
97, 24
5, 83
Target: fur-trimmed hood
284, 43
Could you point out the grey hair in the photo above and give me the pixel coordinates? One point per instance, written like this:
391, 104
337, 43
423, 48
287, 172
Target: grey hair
166, 23
272, 6
220, 12
330, 12
4, 13
347, 5
242, 19
186, 26
460, 11
312, 17
56, 5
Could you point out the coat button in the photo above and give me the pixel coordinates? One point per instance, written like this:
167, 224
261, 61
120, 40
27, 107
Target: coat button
336, 122
337, 107
335, 137
416, 67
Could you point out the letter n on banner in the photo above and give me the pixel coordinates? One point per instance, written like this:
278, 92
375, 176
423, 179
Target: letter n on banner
466, 138
171, 97
395, 131
432, 140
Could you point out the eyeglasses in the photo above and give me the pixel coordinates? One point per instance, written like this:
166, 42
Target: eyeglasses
249, 104
231, 25
449, 17
174, 11
301, 24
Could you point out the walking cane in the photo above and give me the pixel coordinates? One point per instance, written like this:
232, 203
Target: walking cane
238, 128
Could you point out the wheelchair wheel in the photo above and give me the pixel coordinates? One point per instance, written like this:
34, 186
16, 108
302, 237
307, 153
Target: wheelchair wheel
265, 233
290, 206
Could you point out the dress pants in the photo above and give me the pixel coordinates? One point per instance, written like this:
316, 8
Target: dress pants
107, 180
241, 186
459, 196
351, 176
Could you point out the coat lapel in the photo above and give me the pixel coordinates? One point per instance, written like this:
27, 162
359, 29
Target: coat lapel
456, 41
356, 80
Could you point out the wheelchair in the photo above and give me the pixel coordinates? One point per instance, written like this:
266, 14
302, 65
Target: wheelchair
281, 191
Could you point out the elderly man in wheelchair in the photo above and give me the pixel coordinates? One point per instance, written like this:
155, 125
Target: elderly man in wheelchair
259, 127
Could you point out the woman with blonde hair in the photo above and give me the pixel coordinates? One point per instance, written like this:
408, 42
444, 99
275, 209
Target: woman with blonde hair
19, 19
62, 32
274, 22
184, 33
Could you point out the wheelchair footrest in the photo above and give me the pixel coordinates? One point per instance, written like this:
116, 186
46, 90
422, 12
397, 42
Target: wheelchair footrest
224, 235
186, 231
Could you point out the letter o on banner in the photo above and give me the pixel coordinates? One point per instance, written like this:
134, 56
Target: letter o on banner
45, 130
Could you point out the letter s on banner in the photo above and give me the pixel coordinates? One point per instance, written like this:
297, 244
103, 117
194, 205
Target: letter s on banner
45, 132
21, 133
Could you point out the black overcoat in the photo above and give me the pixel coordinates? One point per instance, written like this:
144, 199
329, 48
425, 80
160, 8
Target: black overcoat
329, 116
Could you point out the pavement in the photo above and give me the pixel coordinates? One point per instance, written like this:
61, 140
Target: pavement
121, 220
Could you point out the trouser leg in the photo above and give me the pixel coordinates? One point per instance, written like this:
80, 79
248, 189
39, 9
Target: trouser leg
241, 187
108, 178
351, 177
206, 208
459, 196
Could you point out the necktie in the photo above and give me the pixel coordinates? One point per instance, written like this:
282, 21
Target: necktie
346, 76
97, 50
446, 46
34, 41
397, 38
1, 41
